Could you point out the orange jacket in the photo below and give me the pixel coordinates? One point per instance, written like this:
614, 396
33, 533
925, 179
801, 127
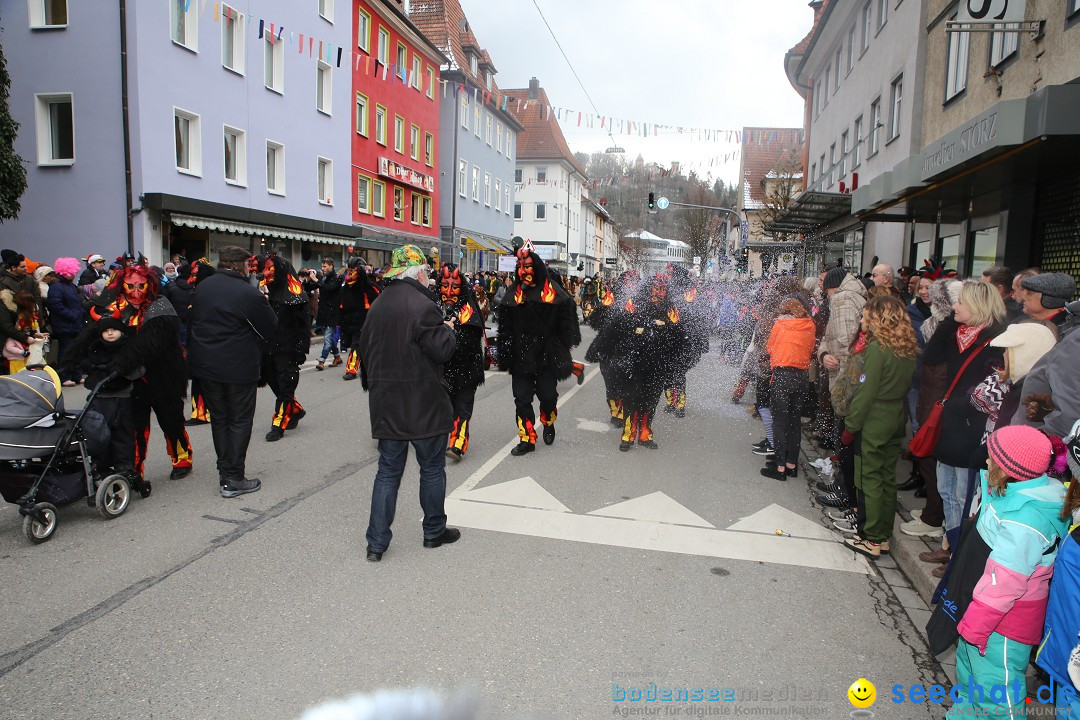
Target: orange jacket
791, 342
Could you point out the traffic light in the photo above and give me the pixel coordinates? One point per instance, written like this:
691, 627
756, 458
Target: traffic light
652, 201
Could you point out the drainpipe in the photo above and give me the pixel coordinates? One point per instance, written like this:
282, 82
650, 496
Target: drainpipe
127, 128
454, 241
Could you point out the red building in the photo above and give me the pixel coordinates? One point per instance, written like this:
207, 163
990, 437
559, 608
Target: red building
396, 130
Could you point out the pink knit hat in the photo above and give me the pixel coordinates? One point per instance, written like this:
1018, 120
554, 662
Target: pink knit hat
1023, 452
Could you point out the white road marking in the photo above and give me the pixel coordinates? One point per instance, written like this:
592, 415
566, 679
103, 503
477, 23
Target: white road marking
504, 452
593, 425
774, 517
523, 492
654, 507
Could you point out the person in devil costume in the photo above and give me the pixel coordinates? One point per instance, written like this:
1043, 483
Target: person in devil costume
358, 291
290, 342
683, 294
609, 348
465, 370
133, 297
200, 414
537, 327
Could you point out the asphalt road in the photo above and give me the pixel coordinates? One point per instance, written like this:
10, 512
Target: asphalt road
564, 591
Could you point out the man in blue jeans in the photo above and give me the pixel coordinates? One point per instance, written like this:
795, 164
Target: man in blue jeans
405, 343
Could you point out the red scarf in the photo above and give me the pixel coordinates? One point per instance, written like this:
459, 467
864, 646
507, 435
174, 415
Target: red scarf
966, 335
860, 344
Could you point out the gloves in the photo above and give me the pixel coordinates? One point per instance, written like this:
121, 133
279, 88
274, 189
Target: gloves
847, 437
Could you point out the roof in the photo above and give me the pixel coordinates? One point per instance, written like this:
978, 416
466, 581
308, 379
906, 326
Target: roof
445, 25
393, 7
762, 150
542, 139
793, 58
810, 211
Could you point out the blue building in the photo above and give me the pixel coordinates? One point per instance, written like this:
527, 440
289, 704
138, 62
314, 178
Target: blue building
477, 141
182, 127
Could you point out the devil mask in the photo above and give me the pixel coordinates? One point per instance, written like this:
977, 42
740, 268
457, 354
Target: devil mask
659, 290
450, 285
526, 268
137, 285
352, 274
269, 272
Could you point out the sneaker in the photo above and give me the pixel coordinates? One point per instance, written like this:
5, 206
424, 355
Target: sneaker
833, 500
825, 487
68, 383
840, 514
762, 443
766, 449
454, 454
865, 547
243, 486
917, 513
846, 526
917, 528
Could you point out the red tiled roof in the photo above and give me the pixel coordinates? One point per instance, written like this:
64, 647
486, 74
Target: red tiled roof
819, 7
442, 22
542, 138
762, 150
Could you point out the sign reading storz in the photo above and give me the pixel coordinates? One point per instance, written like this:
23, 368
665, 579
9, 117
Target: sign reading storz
990, 11
1000, 126
390, 169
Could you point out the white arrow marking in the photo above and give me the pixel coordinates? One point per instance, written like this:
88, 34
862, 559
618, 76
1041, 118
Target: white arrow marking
655, 507
592, 425
523, 492
774, 517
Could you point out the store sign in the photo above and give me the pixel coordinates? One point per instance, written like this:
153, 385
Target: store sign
1000, 126
399, 173
611, 261
990, 11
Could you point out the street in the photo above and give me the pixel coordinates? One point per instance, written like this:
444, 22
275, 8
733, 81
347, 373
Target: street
583, 576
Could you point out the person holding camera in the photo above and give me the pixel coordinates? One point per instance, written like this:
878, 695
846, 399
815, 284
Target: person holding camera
328, 286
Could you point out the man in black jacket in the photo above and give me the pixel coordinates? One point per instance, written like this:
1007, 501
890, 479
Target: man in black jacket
230, 323
405, 343
329, 288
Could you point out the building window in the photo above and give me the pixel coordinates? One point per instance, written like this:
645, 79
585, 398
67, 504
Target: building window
897, 95
843, 153
431, 83
184, 24
825, 88
232, 40
273, 64
487, 128
54, 13
478, 112
956, 64
417, 71
326, 10
506, 198
363, 194
498, 195
813, 172
399, 134
488, 79
378, 198
55, 118
361, 115
380, 124
1003, 45
867, 27
509, 144
324, 88
541, 175
463, 178
326, 181
414, 142
517, 175
541, 211
857, 148
517, 211
832, 164
851, 48
235, 156
476, 184
399, 204
487, 189
1073, 8
402, 62
821, 164
275, 168
425, 205
363, 30
883, 13
875, 125
414, 209
187, 129
463, 110
498, 138
383, 48
429, 149
839, 57
472, 65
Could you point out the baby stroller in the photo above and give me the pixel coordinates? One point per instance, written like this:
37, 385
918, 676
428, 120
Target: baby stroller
46, 455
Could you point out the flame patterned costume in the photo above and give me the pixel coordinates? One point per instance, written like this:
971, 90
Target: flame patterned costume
289, 344
200, 414
612, 300
358, 292
692, 312
464, 372
537, 327
133, 297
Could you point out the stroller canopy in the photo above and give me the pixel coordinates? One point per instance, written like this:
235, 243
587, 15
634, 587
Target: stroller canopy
30, 398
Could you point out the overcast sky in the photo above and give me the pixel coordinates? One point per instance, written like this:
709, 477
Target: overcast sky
715, 64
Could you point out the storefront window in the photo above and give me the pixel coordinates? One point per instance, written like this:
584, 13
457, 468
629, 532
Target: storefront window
983, 250
853, 251
950, 251
922, 252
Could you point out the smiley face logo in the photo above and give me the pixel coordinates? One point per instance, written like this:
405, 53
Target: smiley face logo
862, 693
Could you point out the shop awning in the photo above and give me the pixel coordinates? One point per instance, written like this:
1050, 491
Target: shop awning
241, 228
810, 211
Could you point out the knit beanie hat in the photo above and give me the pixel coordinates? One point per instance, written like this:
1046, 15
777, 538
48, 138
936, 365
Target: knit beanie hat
110, 323
1056, 288
833, 278
1023, 452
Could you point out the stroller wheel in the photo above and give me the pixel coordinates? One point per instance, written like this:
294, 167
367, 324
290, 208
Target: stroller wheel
145, 490
113, 496
40, 525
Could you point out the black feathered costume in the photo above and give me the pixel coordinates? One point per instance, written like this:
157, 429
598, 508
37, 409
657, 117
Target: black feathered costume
683, 294
357, 293
537, 327
612, 305
465, 370
289, 345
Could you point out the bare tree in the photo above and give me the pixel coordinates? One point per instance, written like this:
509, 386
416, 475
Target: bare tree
699, 228
782, 185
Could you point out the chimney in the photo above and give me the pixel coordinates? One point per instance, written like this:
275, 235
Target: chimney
534, 89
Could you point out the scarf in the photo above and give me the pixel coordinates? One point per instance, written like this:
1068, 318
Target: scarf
860, 343
966, 335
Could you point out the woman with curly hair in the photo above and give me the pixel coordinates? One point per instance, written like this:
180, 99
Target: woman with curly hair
876, 422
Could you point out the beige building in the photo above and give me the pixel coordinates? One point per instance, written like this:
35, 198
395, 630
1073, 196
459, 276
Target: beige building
996, 180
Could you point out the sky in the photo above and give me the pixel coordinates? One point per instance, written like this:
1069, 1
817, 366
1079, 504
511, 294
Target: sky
711, 64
